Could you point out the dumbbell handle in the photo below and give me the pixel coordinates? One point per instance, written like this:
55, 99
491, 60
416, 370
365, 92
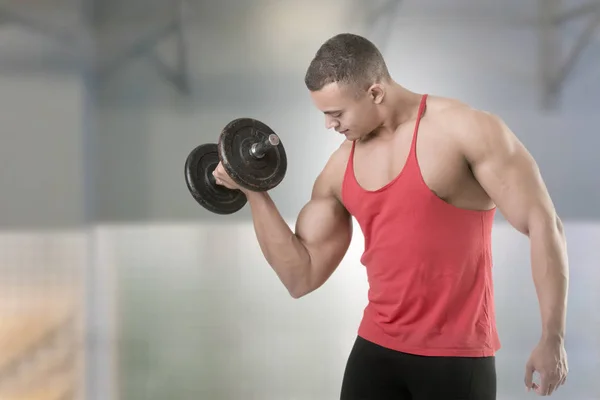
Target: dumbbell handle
259, 149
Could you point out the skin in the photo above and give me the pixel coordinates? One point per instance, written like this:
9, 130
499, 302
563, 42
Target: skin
468, 158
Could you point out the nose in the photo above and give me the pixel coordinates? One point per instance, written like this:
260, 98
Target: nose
331, 122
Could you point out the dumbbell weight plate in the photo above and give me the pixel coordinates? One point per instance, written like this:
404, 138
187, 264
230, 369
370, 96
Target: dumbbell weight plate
256, 174
199, 166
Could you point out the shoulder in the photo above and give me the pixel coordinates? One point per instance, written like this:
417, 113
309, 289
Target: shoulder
474, 131
457, 115
338, 160
329, 180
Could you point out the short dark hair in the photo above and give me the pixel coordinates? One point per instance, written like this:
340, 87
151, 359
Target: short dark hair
346, 59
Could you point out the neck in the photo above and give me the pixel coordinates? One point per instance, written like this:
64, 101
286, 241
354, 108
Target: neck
402, 107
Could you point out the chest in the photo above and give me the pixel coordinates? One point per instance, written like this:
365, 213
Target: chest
438, 161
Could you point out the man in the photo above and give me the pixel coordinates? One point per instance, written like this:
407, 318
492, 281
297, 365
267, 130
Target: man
423, 176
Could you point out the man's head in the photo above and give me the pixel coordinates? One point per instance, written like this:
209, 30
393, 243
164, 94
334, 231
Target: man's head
348, 79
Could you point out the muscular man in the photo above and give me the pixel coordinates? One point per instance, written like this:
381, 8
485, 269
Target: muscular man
423, 176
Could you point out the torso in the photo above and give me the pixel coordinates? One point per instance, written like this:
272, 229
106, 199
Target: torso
427, 235
445, 170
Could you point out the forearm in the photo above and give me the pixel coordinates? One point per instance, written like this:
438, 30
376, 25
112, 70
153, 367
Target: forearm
282, 249
550, 274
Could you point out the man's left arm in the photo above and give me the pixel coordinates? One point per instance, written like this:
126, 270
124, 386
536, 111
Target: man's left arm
509, 174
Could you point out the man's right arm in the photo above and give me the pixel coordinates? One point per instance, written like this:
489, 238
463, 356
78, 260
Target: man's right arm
303, 260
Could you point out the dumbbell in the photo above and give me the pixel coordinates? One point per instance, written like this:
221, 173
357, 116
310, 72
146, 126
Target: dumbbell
252, 155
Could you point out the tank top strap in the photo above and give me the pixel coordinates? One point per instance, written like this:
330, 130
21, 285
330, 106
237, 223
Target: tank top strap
413, 145
351, 160
349, 173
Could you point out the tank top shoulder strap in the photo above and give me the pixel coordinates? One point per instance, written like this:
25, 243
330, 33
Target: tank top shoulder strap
413, 145
348, 181
351, 160
349, 172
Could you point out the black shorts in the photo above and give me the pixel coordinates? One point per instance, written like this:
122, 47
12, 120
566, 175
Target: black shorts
377, 373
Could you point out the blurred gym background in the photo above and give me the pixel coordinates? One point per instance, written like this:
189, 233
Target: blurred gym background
115, 284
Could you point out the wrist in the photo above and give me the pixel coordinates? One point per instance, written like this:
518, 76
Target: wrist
250, 195
553, 337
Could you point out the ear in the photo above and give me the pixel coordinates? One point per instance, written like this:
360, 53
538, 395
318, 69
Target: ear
377, 93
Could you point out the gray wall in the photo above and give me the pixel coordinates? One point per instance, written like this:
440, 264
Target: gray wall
41, 152
42, 113
145, 129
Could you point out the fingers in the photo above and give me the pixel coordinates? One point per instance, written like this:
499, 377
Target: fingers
560, 382
225, 183
551, 375
222, 178
554, 386
549, 384
529, 377
219, 172
545, 388
563, 380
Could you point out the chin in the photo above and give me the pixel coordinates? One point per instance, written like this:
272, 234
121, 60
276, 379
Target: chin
355, 136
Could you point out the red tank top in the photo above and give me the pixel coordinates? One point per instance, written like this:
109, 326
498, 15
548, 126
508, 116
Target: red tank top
428, 264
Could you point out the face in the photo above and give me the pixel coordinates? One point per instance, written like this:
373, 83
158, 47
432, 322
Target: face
353, 116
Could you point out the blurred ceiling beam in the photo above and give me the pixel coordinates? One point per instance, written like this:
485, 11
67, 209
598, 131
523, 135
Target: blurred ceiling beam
36, 23
145, 46
554, 68
83, 40
380, 21
118, 32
